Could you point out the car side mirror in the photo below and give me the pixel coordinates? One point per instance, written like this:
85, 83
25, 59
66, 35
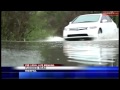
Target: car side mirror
104, 20
70, 22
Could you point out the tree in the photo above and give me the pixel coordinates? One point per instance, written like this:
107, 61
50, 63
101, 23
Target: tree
14, 24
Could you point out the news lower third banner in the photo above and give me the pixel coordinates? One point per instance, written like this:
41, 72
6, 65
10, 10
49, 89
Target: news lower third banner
61, 73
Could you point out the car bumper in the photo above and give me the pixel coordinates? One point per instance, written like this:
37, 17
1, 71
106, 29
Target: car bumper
79, 37
80, 34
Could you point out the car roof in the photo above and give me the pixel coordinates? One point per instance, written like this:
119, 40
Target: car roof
93, 14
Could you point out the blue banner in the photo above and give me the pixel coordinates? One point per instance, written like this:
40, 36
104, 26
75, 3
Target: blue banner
10, 75
87, 73
68, 75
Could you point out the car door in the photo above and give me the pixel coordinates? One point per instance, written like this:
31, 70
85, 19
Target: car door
112, 24
106, 26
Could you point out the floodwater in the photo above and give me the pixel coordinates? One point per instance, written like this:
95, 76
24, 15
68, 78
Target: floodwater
69, 53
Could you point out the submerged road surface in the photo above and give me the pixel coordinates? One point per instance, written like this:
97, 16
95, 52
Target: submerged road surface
70, 53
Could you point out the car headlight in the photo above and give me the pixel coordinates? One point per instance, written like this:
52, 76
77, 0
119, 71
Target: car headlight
93, 27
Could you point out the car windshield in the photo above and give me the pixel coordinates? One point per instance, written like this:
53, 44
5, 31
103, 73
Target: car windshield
86, 18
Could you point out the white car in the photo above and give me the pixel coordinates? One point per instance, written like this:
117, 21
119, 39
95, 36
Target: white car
90, 25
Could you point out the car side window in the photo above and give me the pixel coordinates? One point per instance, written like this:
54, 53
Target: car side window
108, 19
103, 17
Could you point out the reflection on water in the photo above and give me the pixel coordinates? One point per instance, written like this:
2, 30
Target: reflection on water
70, 53
90, 54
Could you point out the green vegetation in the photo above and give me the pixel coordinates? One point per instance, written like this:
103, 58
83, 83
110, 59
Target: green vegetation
34, 25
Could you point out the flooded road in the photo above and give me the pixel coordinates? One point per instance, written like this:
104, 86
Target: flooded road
70, 53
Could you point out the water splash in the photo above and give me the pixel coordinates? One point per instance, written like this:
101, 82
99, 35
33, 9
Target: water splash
55, 38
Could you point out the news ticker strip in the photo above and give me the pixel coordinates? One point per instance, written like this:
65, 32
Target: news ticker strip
42, 65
